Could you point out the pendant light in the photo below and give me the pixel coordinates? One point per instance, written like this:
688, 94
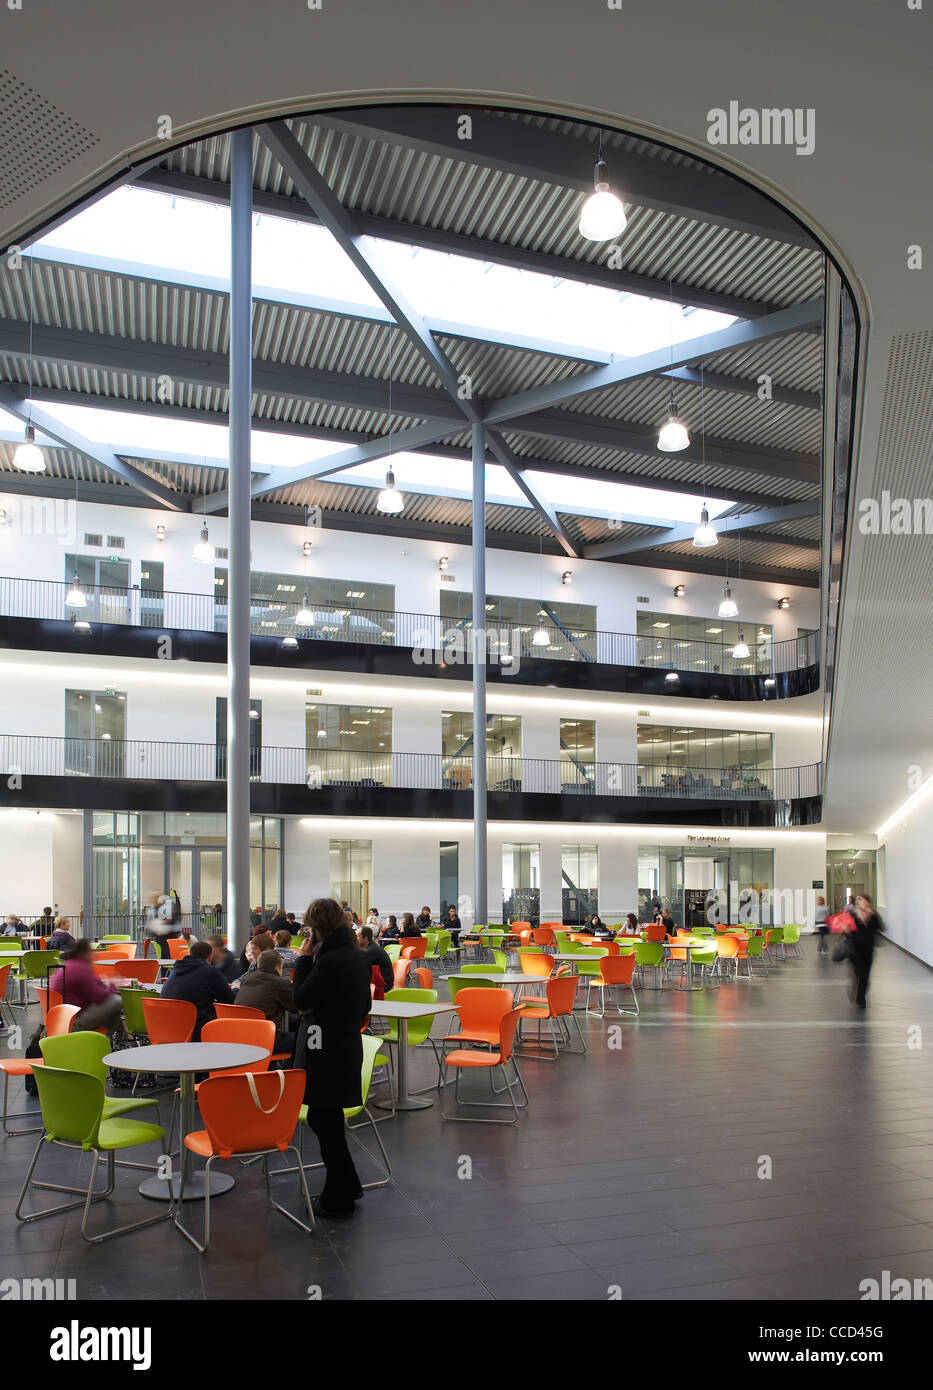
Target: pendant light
290, 643
672, 436
705, 535
540, 637
602, 216
76, 597
28, 457
390, 500
728, 608
81, 625
304, 617
740, 651
203, 552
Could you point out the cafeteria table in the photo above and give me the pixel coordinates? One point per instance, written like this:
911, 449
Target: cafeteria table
694, 943
185, 1060
403, 1010
505, 978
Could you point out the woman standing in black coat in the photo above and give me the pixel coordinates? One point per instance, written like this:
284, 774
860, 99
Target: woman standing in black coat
331, 988
861, 944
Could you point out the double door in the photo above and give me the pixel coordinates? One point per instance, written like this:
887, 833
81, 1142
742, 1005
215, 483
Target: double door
198, 874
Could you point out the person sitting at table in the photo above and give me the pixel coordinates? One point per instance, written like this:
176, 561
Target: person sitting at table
45, 924
331, 987
13, 926
372, 917
390, 931
410, 926
195, 979
595, 926
61, 937
631, 924
99, 1004
377, 956
666, 921
223, 959
282, 942
453, 925
269, 990
264, 935
424, 920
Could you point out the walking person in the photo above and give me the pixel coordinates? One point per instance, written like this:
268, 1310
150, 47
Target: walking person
861, 944
819, 921
331, 988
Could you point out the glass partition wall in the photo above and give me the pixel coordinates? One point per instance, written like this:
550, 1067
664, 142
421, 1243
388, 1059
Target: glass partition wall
346, 610
521, 883
686, 878
675, 760
503, 751
570, 627
675, 642
348, 745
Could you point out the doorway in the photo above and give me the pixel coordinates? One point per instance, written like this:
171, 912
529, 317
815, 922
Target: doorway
95, 729
106, 585
198, 874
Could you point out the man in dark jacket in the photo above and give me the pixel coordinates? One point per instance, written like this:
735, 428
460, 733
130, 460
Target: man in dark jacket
195, 979
331, 987
223, 959
376, 955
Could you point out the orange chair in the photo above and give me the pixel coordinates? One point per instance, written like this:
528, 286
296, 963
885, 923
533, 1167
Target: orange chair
474, 1059
536, 967
178, 947
518, 927
543, 936
253, 1032
654, 933
556, 1007
237, 1011
425, 978
58, 1020
414, 947
118, 950
169, 1020
145, 971
727, 948
615, 972
247, 1116
400, 972
106, 969
480, 1011
48, 998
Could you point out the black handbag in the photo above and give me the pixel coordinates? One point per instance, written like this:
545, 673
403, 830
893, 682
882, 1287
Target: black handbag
843, 949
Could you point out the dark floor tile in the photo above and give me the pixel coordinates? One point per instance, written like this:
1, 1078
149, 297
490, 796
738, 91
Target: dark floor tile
581, 1285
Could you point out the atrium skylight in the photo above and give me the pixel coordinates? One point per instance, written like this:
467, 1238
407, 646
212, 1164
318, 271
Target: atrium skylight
158, 231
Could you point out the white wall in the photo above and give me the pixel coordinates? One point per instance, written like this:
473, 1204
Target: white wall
903, 887
41, 531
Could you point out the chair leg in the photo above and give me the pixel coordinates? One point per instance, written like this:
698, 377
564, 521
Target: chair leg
189, 1235
117, 1230
387, 1167
303, 1189
25, 1114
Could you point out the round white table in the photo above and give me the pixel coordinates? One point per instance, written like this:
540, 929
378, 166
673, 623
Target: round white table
185, 1060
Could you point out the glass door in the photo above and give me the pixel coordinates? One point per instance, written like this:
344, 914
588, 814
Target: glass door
106, 584
95, 729
198, 874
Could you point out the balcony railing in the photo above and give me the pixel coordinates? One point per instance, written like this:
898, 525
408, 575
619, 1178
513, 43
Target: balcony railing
419, 632
34, 755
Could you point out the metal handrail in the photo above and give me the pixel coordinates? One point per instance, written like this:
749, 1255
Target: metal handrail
38, 755
429, 633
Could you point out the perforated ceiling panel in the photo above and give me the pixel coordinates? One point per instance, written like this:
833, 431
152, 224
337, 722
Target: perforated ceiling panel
37, 140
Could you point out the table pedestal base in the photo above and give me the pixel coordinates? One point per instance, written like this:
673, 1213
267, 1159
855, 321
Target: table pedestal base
166, 1189
408, 1103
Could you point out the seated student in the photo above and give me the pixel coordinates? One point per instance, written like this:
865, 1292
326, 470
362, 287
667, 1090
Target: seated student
409, 926
195, 979
262, 933
595, 926
291, 923
99, 1004
223, 960
269, 990
452, 924
283, 944
13, 925
390, 931
631, 923
377, 956
424, 920
61, 937
666, 921
372, 917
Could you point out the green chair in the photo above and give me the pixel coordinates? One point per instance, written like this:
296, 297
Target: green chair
775, 939
133, 1015
705, 957
459, 982
393, 951
72, 1112
297, 943
85, 1052
34, 966
432, 950
419, 1029
756, 953
650, 955
791, 937
482, 970
116, 938
11, 945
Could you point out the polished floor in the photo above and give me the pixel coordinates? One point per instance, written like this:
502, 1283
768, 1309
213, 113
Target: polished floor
635, 1169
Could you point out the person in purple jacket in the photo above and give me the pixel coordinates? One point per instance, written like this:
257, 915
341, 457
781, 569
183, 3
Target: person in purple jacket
99, 1004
